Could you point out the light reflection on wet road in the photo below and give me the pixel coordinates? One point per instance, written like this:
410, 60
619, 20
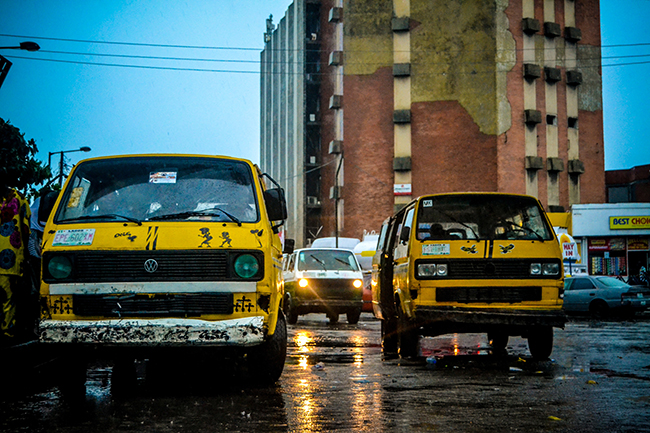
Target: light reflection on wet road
334, 379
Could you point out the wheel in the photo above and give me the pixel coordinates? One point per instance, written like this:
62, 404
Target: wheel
73, 377
498, 340
540, 342
389, 337
124, 376
267, 360
598, 309
353, 316
407, 336
333, 317
292, 315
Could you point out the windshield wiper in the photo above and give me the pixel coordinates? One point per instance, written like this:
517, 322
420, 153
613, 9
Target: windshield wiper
345, 263
322, 263
193, 213
99, 217
517, 227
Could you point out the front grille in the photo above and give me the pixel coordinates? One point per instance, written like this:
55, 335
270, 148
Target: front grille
466, 269
468, 295
335, 288
182, 305
173, 265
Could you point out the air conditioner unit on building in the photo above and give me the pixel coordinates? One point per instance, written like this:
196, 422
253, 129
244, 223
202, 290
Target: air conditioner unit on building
312, 117
312, 201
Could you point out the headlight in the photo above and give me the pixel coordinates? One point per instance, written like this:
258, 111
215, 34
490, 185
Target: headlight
246, 266
551, 269
427, 270
303, 282
432, 270
357, 283
535, 269
60, 267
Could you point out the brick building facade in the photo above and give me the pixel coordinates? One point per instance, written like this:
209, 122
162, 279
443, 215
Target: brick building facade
412, 97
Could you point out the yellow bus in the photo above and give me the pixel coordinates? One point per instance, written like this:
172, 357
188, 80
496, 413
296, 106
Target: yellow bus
148, 254
468, 263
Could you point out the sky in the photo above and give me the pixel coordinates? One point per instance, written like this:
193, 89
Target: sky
211, 104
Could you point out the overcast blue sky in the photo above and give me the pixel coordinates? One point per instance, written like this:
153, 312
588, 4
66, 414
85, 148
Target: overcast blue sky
117, 110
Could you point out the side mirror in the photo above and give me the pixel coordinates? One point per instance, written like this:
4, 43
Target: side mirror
47, 205
276, 204
289, 245
404, 235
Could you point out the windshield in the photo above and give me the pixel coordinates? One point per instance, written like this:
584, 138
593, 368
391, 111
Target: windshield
327, 260
481, 216
165, 188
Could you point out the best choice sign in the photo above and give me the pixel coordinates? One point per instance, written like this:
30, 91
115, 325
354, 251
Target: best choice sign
629, 222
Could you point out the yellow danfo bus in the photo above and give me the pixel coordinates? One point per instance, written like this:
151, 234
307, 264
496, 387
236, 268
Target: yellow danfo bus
148, 254
468, 262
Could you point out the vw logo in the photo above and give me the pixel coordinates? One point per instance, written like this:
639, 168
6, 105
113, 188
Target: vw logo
151, 266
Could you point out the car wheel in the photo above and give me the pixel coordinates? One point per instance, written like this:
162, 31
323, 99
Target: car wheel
353, 316
267, 360
407, 336
389, 338
598, 309
498, 340
333, 317
290, 312
540, 342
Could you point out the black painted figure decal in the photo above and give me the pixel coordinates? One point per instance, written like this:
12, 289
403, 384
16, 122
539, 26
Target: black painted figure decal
506, 249
226, 239
207, 237
258, 233
469, 250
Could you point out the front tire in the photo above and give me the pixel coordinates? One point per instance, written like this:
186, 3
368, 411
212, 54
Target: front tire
267, 361
291, 313
540, 342
407, 336
598, 309
353, 316
498, 341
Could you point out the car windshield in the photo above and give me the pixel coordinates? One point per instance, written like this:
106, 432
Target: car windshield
160, 188
326, 260
481, 216
611, 282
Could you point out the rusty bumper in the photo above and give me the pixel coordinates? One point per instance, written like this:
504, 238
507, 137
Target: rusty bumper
247, 331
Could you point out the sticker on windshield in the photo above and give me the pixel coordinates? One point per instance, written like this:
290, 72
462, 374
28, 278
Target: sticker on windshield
73, 237
75, 197
435, 250
162, 177
427, 203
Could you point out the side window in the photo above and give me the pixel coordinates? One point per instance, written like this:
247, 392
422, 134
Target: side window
401, 248
292, 259
382, 237
582, 284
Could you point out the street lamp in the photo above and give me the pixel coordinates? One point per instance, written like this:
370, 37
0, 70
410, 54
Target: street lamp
49, 161
6, 64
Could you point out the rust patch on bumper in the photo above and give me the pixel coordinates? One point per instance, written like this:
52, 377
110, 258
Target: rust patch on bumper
247, 331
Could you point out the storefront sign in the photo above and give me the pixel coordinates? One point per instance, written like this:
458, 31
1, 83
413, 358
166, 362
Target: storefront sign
629, 222
598, 245
637, 244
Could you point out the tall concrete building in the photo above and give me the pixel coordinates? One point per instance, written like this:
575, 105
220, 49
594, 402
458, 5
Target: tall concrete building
367, 104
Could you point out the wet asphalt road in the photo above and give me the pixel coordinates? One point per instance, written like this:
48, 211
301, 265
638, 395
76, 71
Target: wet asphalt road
598, 380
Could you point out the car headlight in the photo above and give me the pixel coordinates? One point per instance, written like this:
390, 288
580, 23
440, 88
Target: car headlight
357, 283
246, 266
535, 269
432, 270
59, 267
551, 269
304, 282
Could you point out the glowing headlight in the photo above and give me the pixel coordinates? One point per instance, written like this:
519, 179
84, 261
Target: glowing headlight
357, 283
551, 269
303, 282
59, 267
535, 269
442, 270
